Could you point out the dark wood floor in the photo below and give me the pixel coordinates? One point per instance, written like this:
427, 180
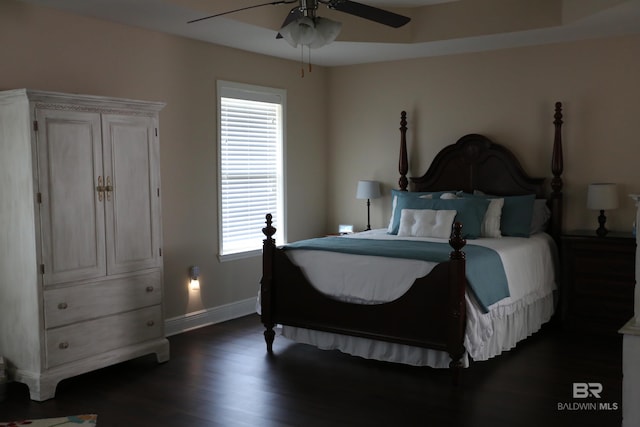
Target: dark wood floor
220, 375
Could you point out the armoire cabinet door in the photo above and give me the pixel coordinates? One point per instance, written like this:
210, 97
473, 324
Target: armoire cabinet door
131, 156
71, 212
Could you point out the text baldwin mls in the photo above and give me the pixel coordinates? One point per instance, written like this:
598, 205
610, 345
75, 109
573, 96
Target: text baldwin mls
584, 391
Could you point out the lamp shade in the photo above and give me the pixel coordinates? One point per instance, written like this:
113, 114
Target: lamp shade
368, 190
311, 32
602, 196
326, 32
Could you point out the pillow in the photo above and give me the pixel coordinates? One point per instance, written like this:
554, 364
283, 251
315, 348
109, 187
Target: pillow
541, 215
426, 223
449, 196
470, 212
491, 222
412, 194
517, 213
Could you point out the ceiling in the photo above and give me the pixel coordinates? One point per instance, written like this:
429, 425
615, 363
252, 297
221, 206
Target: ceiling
438, 27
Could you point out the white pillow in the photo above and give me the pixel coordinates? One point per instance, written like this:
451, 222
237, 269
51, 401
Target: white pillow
426, 223
449, 196
491, 223
394, 203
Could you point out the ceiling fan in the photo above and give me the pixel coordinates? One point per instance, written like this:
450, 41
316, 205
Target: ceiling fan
303, 26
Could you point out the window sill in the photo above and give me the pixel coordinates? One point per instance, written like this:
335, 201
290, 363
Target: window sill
240, 255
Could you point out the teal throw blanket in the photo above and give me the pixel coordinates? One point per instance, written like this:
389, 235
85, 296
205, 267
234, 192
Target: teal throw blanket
485, 272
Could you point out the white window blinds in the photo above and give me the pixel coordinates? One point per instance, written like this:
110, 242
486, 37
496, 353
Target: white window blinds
250, 152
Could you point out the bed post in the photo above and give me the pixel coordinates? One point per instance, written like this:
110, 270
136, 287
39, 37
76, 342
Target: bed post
557, 167
457, 289
403, 164
268, 248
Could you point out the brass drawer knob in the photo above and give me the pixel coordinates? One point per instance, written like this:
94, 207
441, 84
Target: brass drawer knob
149, 288
62, 306
150, 323
63, 345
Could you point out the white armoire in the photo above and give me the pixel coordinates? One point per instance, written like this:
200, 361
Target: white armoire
80, 235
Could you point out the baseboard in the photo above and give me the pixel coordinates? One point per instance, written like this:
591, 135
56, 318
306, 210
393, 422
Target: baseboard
210, 316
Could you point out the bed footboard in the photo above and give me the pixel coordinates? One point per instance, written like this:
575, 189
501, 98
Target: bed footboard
418, 318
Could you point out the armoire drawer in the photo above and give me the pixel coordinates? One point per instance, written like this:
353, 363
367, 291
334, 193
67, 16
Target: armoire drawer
64, 306
85, 339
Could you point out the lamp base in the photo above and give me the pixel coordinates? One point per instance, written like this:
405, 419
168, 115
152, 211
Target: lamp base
602, 231
368, 215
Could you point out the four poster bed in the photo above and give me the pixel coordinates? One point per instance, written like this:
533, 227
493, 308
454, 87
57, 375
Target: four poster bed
438, 315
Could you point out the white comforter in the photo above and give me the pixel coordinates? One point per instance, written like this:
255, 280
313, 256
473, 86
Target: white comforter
530, 267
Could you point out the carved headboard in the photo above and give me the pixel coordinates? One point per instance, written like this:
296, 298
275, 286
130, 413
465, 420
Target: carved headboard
475, 162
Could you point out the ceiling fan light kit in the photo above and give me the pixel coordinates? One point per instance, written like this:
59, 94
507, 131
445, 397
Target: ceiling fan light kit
313, 33
303, 28
304, 15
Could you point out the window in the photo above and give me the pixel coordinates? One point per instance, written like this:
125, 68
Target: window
250, 165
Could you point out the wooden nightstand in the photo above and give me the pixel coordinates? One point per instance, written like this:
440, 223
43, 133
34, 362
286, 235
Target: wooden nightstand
598, 281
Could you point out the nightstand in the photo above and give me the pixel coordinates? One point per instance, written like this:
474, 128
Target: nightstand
598, 281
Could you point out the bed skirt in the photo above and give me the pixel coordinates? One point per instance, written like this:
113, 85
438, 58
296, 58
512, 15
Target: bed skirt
497, 331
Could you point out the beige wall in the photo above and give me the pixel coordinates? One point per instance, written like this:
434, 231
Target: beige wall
508, 95
349, 131
50, 50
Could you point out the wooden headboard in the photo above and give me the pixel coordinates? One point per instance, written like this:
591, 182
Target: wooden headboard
475, 162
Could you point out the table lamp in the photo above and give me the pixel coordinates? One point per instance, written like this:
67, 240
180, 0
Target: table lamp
368, 190
602, 196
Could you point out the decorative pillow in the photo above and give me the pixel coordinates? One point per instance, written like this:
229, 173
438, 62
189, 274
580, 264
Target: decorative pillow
491, 223
411, 194
517, 213
426, 223
470, 212
449, 196
541, 215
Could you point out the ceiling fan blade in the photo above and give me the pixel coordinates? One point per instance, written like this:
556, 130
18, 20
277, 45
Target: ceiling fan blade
243, 8
369, 12
294, 14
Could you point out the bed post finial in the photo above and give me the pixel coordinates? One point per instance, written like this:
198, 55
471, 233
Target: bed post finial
268, 249
557, 166
403, 164
269, 230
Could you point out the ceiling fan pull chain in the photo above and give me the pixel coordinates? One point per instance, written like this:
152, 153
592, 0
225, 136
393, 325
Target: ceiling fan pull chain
301, 61
309, 59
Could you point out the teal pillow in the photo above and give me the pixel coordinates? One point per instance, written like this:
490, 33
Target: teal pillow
470, 212
419, 194
517, 213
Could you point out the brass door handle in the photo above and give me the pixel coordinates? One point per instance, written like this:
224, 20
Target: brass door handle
100, 189
108, 188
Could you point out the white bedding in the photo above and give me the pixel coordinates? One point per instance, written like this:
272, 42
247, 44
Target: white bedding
530, 267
